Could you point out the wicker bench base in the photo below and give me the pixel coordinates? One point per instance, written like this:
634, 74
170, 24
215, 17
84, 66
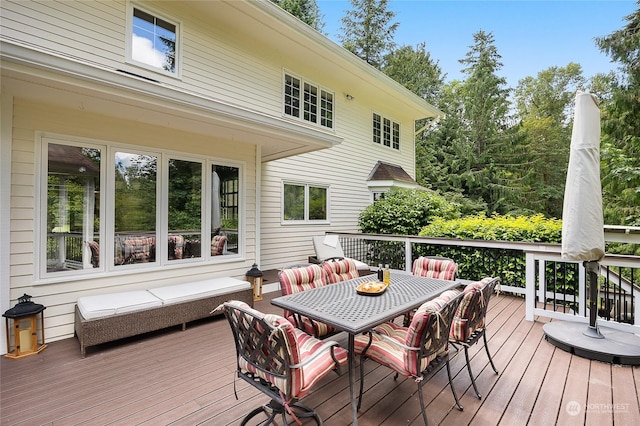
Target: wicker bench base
106, 329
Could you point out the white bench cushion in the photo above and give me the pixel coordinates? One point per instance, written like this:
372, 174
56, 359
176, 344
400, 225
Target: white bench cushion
198, 289
116, 303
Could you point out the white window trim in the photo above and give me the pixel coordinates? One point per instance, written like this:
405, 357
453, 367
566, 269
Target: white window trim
106, 232
320, 88
382, 118
129, 35
306, 220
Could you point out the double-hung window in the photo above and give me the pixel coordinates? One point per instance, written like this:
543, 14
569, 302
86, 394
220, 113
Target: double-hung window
386, 131
305, 203
153, 41
307, 101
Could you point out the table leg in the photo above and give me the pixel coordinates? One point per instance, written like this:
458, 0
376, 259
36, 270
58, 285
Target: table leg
352, 379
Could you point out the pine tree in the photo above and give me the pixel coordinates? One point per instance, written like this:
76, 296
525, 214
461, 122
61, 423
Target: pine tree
367, 30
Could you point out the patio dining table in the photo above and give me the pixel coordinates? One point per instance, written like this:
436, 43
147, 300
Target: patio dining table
340, 306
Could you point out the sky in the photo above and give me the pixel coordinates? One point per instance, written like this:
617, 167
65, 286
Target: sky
531, 36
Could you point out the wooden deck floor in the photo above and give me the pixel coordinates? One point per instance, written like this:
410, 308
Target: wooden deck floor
186, 378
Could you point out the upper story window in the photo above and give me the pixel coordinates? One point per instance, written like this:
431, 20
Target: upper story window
153, 42
386, 131
307, 101
304, 203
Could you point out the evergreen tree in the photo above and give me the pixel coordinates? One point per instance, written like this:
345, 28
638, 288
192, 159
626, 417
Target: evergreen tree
415, 70
486, 108
545, 106
620, 154
367, 30
305, 10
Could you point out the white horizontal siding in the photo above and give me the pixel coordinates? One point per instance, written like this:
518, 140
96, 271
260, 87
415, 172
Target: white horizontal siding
344, 168
93, 31
60, 297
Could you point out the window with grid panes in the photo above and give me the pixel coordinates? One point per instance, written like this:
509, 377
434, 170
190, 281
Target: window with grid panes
307, 101
385, 132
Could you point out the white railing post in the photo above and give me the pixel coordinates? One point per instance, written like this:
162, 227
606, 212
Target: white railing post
408, 265
582, 291
530, 288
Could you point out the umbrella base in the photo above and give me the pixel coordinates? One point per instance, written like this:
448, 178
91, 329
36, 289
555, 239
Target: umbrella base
601, 343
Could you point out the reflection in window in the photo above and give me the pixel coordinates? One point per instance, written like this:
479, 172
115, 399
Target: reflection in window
73, 206
317, 203
304, 202
225, 210
293, 202
135, 208
153, 41
185, 209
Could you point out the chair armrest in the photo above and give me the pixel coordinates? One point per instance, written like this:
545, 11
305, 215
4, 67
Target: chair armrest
328, 345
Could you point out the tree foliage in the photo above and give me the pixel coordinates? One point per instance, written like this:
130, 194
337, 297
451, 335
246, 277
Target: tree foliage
305, 10
415, 70
368, 30
621, 126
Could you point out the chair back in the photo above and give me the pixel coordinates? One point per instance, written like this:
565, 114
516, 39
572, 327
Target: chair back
297, 279
435, 267
472, 311
327, 246
266, 348
428, 332
338, 270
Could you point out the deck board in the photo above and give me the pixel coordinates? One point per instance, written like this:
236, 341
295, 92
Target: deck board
175, 377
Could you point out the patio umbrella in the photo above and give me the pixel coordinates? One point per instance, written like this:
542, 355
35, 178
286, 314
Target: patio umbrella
582, 219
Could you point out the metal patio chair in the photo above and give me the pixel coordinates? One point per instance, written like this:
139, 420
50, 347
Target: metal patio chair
418, 351
279, 360
469, 323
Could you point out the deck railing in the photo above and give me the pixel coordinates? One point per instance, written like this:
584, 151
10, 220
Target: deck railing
553, 287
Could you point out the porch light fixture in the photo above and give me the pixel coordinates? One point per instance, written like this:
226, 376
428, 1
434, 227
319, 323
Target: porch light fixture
24, 337
254, 276
349, 97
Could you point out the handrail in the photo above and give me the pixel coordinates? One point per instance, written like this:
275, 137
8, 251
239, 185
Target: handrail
537, 256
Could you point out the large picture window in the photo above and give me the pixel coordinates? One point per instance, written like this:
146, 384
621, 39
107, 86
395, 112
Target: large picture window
302, 202
153, 41
308, 101
154, 214
72, 209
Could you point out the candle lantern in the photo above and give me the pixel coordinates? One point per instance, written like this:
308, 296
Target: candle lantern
25, 334
254, 276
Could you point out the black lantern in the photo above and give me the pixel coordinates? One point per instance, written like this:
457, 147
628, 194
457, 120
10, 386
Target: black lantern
24, 338
254, 276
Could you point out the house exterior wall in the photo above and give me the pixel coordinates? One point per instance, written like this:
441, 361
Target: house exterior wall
344, 168
59, 295
64, 73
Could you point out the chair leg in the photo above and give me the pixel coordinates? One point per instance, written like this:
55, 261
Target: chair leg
266, 409
453, 389
273, 408
362, 358
424, 412
486, 348
473, 380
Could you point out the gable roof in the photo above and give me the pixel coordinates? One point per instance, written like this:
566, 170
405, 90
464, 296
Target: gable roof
386, 171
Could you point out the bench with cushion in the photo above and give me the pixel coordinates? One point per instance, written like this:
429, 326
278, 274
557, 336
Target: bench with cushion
104, 318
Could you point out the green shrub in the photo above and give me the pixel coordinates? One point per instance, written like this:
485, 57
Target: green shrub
509, 265
405, 212
497, 228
